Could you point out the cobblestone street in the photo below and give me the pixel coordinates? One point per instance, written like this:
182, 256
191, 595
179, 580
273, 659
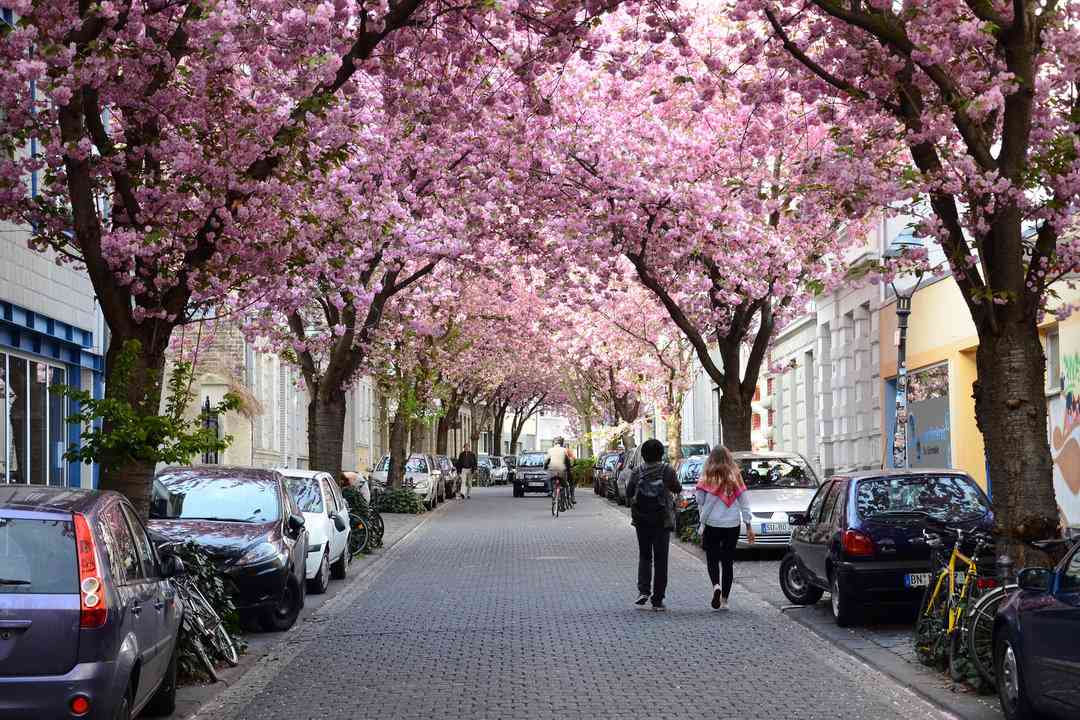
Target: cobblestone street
492, 609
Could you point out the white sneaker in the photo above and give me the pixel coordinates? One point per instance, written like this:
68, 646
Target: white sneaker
724, 604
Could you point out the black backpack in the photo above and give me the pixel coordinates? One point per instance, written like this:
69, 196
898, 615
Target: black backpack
649, 493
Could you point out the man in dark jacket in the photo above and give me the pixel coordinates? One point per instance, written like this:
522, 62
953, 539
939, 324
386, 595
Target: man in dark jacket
651, 490
466, 466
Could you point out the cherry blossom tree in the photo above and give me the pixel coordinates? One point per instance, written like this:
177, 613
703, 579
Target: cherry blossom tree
983, 97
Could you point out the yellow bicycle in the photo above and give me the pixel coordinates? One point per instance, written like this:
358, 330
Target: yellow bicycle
939, 638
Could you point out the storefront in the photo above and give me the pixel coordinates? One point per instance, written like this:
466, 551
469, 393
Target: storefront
39, 356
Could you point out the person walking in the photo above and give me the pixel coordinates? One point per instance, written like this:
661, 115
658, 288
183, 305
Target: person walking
722, 508
466, 467
651, 489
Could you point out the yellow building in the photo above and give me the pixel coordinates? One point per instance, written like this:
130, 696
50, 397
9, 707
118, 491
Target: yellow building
941, 343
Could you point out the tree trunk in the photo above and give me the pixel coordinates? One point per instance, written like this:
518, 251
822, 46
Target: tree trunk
143, 391
735, 420
498, 421
628, 441
398, 431
326, 430
674, 435
1010, 410
418, 436
586, 425
442, 435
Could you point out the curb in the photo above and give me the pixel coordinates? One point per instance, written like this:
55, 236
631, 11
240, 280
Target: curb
241, 689
911, 678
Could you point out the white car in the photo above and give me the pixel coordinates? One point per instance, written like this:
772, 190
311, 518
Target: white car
498, 470
326, 517
422, 476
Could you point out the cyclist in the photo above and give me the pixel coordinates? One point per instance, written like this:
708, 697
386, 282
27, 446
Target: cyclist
558, 462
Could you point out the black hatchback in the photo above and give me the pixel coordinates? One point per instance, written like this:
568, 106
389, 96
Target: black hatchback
862, 538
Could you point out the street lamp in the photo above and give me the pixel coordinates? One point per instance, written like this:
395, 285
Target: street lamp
903, 242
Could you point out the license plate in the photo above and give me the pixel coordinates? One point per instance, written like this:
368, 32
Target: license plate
775, 528
915, 580
536, 484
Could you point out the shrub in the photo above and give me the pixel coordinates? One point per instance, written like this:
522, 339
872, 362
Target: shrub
582, 471
686, 523
201, 569
400, 500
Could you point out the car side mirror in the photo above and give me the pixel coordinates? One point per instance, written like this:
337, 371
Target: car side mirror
1036, 579
296, 524
796, 518
339, 521
171, 566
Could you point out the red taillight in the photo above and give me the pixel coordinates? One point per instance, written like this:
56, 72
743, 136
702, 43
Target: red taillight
79, 705
985, 583
91, 589
857, 544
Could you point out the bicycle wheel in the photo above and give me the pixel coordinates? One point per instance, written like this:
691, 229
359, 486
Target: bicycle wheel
979, 631
376, 529
213, 628
932, 623
358, 535
204, 659
555, 503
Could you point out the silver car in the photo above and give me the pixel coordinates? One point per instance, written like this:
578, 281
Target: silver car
422, 476
777, 483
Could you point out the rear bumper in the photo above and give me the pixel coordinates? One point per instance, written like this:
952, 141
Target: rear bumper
763, 540
48, 696
875, 583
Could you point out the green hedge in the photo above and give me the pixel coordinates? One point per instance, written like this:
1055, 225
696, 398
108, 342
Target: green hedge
582, 471
199, 567
400, 500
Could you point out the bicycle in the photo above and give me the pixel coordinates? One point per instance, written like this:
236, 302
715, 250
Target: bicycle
938, 630
365, 523
206, 626
556, 496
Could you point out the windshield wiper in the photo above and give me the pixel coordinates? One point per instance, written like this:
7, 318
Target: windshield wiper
899, 514
214, 519
9, 581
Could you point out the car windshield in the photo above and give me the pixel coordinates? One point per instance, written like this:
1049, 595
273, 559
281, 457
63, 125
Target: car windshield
416, 464
768, 473
690, 472
236, 499
611, 462
38, 556
694, 449
486, 462
532, 460
306, 492
384, 464
943, 497
510, 462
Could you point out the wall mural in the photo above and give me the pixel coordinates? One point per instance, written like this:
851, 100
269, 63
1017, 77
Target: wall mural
1065, 440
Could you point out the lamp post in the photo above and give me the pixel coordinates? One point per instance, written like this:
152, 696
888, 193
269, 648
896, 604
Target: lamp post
901, 243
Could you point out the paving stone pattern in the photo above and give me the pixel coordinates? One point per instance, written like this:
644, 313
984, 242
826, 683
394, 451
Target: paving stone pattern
495, 610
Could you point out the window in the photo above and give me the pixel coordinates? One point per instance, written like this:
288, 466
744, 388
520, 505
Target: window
211, 422
757, 421
834, 505
305, 491
123, 555
147, 556
1070, 580
814, 510
776, 473
183, 495
1053, 362
328, 493
769, 387
33, 428
946, 497
38, 557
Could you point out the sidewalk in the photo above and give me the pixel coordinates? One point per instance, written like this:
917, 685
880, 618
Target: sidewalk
886, 647
268, 647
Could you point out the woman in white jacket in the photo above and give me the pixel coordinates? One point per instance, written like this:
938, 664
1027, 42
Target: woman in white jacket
722, 508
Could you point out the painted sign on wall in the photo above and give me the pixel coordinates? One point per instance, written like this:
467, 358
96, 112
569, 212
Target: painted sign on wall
1064, 413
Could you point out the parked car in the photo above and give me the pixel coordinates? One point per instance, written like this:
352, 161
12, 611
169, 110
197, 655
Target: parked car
612, 484
694, 449
249, 524
510, 461
483, 470
861, 538
597, 466
419, 477
530, 474
689, 472
777, 484
88, 617
326, 518
630, 460
450, 478
498, 470
1037, 644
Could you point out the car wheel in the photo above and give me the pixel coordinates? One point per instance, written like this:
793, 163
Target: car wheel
794, 583
163, 703
518, 492
321, 581
1011, 690
844, 610
340, 568
283, 616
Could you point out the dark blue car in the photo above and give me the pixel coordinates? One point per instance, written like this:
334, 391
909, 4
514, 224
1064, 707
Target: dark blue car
1037, 644
88, 618
861, 540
